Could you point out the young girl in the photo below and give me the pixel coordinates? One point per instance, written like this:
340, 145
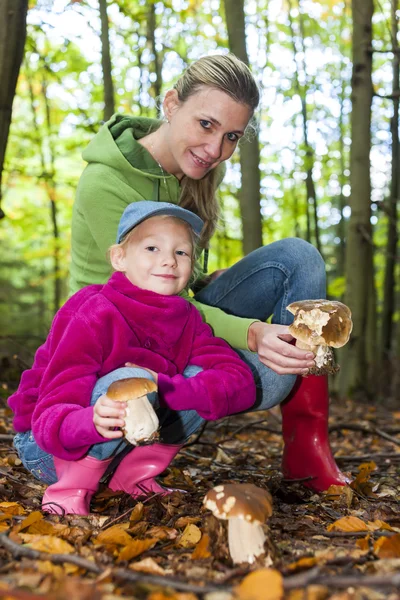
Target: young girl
68, 428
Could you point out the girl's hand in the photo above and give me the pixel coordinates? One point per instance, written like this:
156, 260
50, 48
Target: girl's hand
108, 414
152, 373
271, 342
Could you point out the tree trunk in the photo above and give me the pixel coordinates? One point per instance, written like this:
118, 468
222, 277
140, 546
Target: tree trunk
391, 205
109, 106
157, 62
12, 42
359, 266
249, 195
302, 90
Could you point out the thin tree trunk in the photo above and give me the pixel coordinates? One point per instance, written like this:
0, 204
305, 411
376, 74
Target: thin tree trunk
391, 205
157, 62
359, 266
249, 195
12, 42
109, 105
311, 200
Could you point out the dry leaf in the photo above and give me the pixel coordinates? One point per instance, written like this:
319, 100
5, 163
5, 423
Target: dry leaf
136, 547
363, 543
314, 592
263, 584
348, 524
190, 537
162, 533
378, 524
388, 547
202, 549
114, 536
136, 514
304, 563
12, 508
47, 543
34, 517
4, 527
183, 521
148, 565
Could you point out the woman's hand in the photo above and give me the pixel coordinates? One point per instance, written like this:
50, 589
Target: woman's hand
152, 373
271, 342
108, 414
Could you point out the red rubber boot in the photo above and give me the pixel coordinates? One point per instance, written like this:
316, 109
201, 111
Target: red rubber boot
307, 452
135, 473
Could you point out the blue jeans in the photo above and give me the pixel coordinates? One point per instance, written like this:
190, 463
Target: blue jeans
175, 428
262, 284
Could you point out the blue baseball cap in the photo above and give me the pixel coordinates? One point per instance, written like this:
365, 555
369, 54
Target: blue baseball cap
137, 212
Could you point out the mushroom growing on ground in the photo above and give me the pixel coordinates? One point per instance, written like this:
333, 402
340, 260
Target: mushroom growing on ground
246, 507
141, 421
319, 326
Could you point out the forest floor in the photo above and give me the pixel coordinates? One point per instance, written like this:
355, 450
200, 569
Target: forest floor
340, 545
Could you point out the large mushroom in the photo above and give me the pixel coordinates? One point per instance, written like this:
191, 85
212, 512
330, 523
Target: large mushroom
246, 507
319, 326
141, 421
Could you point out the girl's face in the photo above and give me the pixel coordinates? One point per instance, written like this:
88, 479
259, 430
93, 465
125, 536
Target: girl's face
157, 256
203, 131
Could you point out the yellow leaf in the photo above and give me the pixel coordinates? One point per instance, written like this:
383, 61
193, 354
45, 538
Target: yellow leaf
314, 592
136, 547
47, 543
388, 547
304, 563
148, 565
34, 517
137, 513
202, 549
190, 536
378, 524
348, 524
363, 543
12, 508
162, 533
4, 527
263, 584
114, 536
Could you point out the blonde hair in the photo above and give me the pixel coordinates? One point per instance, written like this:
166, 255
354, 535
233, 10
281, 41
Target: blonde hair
224, 72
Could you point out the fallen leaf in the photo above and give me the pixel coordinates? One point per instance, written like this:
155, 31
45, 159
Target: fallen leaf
303, 563
30, 519
363, 543
183, 521
47, 543
136, 547
378, 524
263, 584
190, 536
162, 533
348, 524
114, 536
136, 514
148, 565
202, 549
388, 547
12, 508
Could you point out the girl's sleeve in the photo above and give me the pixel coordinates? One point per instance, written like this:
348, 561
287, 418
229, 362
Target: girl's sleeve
225, 386
62, 422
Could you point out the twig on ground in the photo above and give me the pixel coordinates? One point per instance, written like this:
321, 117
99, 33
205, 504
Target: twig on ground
372, 456
364, 429
19, 551
6, 437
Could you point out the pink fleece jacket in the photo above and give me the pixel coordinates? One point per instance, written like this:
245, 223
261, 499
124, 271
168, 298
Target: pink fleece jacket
98, 330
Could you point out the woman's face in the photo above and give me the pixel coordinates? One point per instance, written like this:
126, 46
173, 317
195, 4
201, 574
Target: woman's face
203, 131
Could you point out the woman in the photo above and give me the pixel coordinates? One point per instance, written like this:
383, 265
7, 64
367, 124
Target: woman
180, 160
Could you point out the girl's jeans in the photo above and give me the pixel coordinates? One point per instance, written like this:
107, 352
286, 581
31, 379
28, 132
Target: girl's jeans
258, 286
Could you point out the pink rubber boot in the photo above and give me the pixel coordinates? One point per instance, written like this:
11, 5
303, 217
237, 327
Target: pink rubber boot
307, 451
77, 481
135, 473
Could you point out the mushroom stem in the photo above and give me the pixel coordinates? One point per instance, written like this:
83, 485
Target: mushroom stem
141, 421
245, 539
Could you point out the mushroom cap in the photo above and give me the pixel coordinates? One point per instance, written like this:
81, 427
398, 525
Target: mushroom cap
321, 322
241, 500
130, 388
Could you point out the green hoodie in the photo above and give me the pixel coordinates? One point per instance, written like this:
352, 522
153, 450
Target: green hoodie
121, 171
